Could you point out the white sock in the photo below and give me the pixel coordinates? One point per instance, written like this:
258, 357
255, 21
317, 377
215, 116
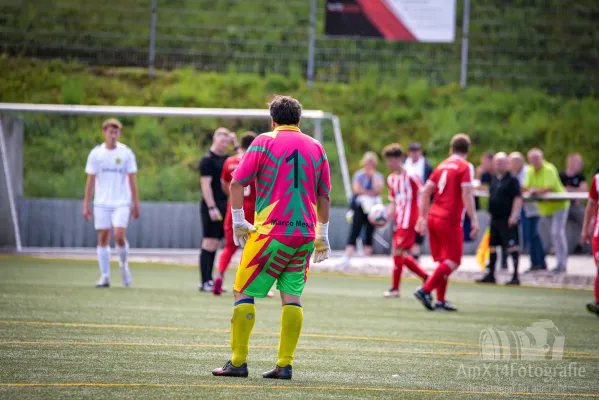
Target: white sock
123, 253
104, 261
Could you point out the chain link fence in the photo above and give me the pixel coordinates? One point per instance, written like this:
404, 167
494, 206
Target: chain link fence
552, 45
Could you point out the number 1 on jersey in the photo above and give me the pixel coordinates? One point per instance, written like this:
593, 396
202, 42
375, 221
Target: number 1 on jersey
295, 157
442, 182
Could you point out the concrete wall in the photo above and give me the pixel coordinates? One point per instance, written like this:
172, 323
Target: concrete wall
13, 139
59, 223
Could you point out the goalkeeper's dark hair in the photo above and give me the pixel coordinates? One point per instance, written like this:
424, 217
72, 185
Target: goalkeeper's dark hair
393, 150
285, 110
246, 139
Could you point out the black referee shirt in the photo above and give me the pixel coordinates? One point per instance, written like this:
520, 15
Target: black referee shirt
502, 193
212, 165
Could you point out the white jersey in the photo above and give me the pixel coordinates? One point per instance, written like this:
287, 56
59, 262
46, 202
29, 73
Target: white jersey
111, 168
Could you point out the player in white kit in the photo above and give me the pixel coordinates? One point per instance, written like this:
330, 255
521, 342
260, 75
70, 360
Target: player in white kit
111, 170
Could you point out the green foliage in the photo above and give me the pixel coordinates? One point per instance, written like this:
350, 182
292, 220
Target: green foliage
168, 149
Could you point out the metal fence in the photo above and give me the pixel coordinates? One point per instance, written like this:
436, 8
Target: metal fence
548, 44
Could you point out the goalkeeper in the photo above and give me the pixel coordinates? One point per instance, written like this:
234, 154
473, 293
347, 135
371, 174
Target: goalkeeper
292, 178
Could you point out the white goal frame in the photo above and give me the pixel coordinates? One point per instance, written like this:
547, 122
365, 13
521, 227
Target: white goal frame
226, 113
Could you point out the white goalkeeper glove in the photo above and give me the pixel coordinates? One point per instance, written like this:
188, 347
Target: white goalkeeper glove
322, 247
241, 227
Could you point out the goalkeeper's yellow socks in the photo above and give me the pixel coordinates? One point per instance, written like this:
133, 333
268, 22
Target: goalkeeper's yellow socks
242, 323
292, 318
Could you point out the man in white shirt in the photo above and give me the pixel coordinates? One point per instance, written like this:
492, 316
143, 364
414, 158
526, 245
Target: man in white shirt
111, 170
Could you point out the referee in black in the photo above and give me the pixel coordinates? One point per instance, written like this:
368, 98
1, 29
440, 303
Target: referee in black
505, 203
214, 203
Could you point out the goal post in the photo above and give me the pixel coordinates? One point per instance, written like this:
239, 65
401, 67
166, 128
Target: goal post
47, 120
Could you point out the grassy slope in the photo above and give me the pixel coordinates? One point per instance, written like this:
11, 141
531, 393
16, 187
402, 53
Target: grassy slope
161, 331
371, 117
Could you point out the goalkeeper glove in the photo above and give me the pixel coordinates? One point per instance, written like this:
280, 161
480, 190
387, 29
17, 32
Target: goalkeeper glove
241, 227
322, 247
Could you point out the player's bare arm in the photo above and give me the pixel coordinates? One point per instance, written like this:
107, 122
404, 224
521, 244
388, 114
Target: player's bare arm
89, 191
468, 199
226, 187
134, 196
516, 207
424, 202
589, 212
205, 184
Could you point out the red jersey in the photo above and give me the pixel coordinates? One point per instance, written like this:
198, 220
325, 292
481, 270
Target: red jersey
249, 192
403, 193
449, 178
594, 194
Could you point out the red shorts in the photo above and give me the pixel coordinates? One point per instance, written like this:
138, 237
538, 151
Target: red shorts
446, 240
404, 238
248, 210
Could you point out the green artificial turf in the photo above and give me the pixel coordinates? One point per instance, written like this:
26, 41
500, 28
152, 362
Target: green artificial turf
161, 339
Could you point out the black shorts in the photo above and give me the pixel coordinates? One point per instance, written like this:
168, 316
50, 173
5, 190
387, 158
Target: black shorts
213, 229
419, 239
502, 234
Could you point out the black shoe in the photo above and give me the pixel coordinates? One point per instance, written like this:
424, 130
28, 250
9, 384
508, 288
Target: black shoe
593, 308
231, 370
278, 373
445, 306
578, 249
103, 284
488, 278
514, 281
425, 298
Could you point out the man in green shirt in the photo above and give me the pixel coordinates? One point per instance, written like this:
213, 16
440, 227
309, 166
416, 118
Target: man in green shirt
542, 177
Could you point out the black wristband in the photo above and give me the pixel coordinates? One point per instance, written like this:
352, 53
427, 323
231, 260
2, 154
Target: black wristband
212, 208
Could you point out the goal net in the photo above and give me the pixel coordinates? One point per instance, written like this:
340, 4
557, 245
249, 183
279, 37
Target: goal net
168, 143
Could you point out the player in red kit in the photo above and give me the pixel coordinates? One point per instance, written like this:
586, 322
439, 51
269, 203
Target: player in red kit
451, 184
403, 211
592, 211
249, 205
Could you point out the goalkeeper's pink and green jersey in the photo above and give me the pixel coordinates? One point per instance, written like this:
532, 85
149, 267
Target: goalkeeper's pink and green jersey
290, 169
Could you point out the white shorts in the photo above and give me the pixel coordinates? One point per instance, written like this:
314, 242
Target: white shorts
105, 218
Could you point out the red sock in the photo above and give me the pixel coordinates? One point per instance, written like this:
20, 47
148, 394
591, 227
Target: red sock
437, 277
597, 288
397, 269
441, 289
225, 258
413, 266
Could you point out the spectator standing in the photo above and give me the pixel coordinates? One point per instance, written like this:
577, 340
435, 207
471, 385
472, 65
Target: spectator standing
542, 177
485, 173
505, 204
529, 217
486, 169
417, 164
574, 181
367, 185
